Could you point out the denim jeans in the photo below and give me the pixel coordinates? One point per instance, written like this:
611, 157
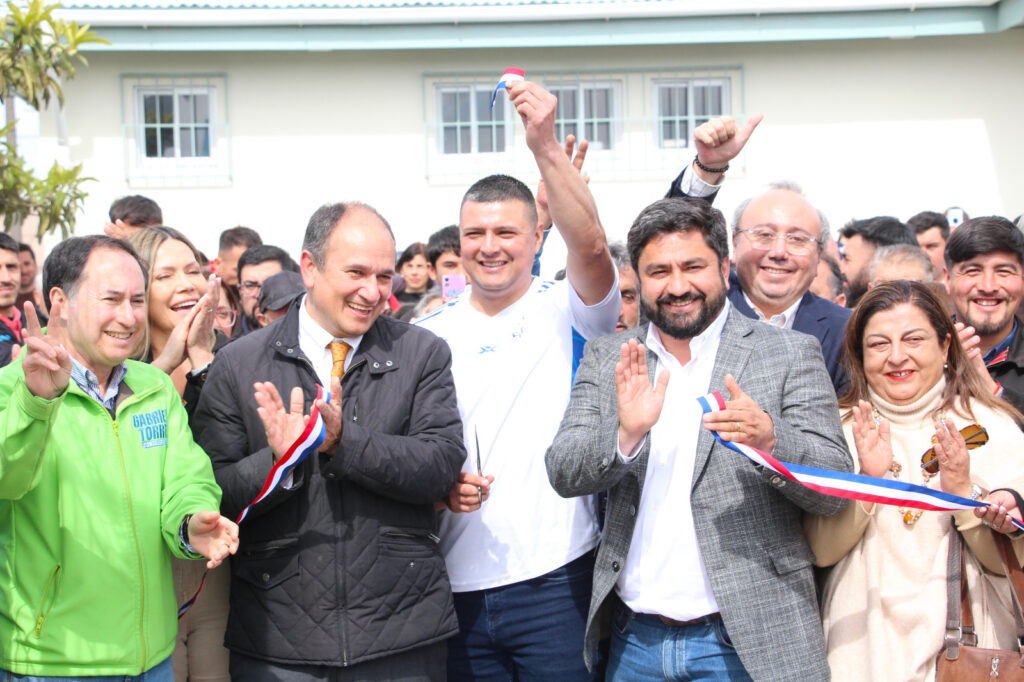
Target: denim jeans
161, 672
531, 630
643, 649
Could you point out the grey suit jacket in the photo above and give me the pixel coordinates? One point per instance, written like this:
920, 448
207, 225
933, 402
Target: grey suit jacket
747, 519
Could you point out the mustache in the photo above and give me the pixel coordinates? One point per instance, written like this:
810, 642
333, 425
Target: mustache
669, 299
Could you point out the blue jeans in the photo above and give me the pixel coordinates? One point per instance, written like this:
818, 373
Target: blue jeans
643, 649
161, 672
531, 630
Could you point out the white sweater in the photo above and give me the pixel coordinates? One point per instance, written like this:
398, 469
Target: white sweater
884, 603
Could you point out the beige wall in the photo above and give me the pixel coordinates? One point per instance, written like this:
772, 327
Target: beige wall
868, 127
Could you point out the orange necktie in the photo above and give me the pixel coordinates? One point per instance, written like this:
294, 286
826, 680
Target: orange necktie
339, 349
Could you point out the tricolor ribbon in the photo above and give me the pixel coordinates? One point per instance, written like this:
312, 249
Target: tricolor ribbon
308, 442
510, 76
846, 485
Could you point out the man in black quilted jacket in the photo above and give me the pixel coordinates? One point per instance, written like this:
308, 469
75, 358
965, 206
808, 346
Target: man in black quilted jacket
338, 575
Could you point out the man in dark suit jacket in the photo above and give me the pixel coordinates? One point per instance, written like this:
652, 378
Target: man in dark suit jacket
702, 548
778, 238
769, 281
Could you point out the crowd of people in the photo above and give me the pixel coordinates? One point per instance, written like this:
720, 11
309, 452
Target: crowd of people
435, 464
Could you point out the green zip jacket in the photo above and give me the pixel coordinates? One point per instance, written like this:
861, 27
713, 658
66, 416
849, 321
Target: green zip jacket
90, 510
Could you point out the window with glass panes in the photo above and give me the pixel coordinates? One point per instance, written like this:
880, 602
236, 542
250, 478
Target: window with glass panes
468, 124
684, 105
586, 111
176, 123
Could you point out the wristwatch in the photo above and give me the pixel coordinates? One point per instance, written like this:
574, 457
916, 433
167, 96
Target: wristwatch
976, 491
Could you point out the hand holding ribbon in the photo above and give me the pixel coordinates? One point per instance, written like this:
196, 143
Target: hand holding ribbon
851, 486
1002, 513
742, 420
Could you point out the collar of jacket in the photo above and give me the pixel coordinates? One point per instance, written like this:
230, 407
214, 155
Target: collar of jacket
1015, 356
376, 349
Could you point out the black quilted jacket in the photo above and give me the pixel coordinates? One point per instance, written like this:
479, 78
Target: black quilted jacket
344, 567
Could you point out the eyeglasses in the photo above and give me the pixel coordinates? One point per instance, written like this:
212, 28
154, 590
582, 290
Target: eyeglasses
974, 435
226, 316
250, 289
764, 238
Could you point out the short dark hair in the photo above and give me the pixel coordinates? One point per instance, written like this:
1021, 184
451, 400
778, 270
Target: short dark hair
25, 248
239, 236
411, 251
983, 235
926, 220
64, 266
881, 230
445, 239
502, 188
136, 210
678, 215
7, 243
321, 226
264, 253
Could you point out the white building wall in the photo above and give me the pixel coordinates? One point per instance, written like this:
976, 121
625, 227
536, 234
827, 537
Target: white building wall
868, 128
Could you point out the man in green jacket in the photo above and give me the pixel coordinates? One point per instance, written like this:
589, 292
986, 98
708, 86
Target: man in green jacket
100, 483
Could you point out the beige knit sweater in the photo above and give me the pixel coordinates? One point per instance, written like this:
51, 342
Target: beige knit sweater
884, 603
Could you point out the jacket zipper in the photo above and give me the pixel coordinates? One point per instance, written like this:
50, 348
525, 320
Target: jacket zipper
344, 586
138, 548
338, 569
50, 595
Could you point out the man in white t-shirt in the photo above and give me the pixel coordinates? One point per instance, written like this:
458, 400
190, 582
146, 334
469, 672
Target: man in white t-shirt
521, 567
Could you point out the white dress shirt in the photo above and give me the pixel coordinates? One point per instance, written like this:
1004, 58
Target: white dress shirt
693, 186
314, 341
783, 320
664, 571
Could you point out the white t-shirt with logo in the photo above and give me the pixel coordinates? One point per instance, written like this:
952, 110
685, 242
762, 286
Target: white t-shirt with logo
513, 376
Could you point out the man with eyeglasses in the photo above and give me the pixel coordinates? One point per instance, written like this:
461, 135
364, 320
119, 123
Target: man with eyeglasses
254, 266
778, 238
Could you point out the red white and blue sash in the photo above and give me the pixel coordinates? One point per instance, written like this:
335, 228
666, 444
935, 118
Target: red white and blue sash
846, 485
510, 76
308, 442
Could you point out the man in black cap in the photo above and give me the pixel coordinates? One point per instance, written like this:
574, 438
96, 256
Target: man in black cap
276, 294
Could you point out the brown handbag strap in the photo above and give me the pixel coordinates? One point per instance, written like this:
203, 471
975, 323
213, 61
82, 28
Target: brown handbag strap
1015, 576
956, 597
959, 619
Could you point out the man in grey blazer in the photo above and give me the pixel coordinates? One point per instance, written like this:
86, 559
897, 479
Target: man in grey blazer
702, 565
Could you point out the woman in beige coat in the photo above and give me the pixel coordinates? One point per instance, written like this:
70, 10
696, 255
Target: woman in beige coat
912, 391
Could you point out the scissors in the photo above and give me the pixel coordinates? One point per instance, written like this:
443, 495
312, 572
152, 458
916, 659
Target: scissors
479, 468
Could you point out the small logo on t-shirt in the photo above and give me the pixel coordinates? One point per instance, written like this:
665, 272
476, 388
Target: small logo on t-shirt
152, 428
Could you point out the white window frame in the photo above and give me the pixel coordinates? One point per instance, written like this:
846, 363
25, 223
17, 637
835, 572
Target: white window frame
175, 171
692, 118
475, 124
614, 120
142, 91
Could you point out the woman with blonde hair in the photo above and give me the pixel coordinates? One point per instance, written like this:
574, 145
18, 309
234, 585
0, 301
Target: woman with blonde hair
181, 341
914, 395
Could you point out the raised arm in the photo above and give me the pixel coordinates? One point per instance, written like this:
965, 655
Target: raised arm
589, 266
717, 142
